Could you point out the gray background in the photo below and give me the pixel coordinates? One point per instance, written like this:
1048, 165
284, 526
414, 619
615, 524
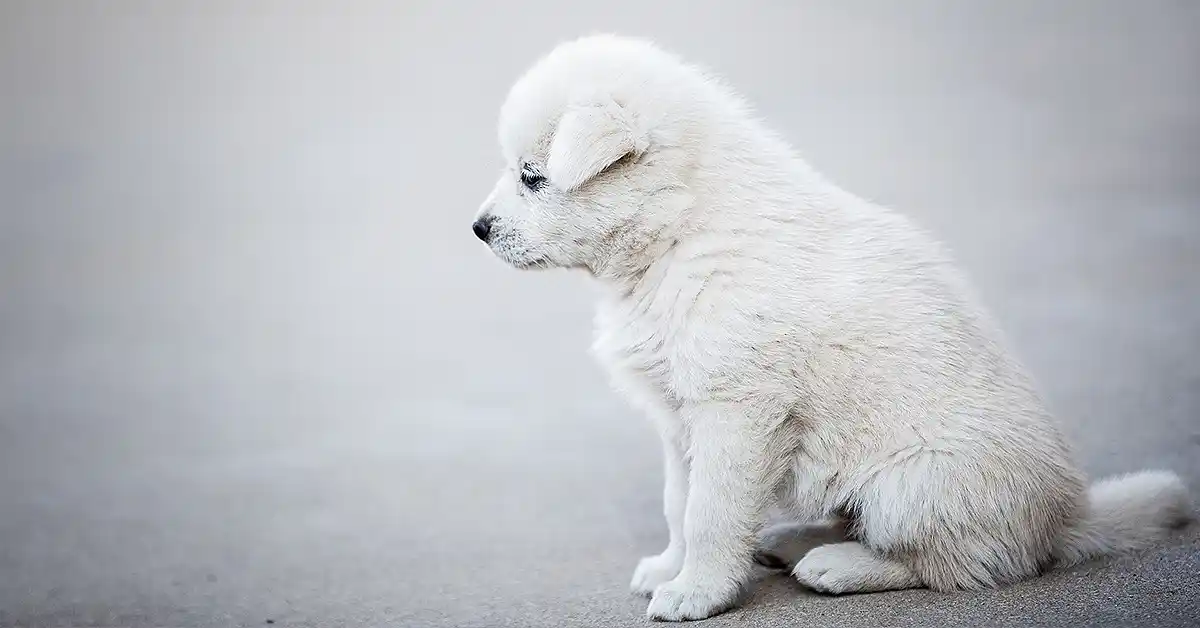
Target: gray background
253, 364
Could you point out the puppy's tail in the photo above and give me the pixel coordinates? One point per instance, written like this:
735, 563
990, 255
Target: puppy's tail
1125, 514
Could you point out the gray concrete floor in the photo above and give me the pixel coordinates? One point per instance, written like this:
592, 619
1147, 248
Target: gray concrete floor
253, 365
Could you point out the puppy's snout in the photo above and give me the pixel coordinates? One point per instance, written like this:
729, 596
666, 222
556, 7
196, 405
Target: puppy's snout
483, 227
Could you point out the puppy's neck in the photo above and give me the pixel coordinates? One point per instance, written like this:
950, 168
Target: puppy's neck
625, 276
632, 249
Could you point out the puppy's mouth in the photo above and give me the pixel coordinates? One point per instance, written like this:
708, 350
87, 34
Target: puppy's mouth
513, 249
521, 260
539, 263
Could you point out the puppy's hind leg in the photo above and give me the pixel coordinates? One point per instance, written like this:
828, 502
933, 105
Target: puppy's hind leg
852, 568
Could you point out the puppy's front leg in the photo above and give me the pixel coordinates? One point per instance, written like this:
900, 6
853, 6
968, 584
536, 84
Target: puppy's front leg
733, 471
655, 570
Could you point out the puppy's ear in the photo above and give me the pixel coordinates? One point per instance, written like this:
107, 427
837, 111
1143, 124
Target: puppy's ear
591, 136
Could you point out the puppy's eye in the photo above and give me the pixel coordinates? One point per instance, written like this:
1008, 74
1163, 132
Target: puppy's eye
532, 180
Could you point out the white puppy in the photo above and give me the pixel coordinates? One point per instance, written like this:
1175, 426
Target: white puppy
794, 344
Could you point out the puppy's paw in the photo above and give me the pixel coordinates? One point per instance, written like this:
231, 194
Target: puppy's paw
827, 569
851, 568
684, 599
655, 570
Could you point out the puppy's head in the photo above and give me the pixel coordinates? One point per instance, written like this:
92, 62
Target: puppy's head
593, 171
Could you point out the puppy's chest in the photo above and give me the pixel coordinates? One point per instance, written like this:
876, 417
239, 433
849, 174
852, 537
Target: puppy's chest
658, 345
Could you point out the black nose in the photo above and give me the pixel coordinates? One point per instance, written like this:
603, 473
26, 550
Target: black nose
483, 228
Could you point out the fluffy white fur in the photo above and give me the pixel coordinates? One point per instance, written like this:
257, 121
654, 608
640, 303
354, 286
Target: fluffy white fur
796, 346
